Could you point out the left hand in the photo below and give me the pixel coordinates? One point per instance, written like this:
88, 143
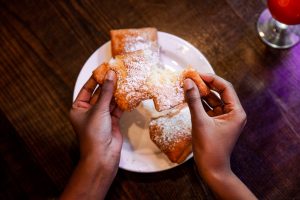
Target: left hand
95, 117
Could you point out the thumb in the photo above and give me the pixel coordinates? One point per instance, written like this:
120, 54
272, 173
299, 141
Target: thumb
193, 98
107, 90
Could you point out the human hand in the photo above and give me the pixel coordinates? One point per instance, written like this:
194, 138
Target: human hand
95, 118
215, 130
216, 126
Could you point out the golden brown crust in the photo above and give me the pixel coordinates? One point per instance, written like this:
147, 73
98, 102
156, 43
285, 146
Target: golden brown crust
139, 75
100, 72
167, 87
194, 75
186, 152
132, 71
172, 135
129, 40
140, 79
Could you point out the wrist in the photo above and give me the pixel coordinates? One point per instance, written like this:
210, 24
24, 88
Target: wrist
91, 179
103, 173
226, 185
209, 169
219, 175
107, 163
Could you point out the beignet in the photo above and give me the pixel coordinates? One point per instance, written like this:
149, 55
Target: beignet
140, 77
129, 40
172, 135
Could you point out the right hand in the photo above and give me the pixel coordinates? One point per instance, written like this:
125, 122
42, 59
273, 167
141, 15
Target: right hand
216, 130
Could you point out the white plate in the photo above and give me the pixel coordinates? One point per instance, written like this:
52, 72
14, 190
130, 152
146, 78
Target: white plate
139, 154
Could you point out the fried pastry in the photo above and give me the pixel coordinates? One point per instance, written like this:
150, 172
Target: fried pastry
129, 40
172, 135
167, 86
132, 69
140, 77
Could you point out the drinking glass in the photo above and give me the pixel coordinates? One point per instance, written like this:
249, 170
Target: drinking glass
276, 25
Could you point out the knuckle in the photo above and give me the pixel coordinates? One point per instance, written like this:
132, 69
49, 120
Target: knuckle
73, 108
193, 98
228, 84
105, 90
242, 116
192, 93
107, 86
108, 81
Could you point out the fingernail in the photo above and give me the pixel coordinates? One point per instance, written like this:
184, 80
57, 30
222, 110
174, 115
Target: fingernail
110, 75
188, 84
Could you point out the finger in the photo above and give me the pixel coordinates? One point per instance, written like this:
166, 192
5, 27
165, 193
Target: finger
107, 90
208, 109
224, 88
86, 91
206, 106
212, 112
95, 96
112, 105
116, 115
193, 99
213, 100
215, 103
216, 112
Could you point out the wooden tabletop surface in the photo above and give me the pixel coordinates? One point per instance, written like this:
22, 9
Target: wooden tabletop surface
44, 45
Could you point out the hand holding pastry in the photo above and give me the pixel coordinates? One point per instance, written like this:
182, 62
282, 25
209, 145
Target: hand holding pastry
215, 130
136, 61
95, 118
214, 136
140, 77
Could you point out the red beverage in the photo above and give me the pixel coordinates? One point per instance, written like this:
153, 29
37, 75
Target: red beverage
285, 11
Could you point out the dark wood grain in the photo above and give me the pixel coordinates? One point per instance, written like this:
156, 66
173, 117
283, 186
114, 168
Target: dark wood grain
44, 45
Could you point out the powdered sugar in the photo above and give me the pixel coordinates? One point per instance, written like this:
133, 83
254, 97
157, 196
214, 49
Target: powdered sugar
166, 88
142, 75
139, 41
167, 131
137, 67
145, 78
136, 43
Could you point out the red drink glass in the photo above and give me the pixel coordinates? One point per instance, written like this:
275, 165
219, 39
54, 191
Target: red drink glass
277, 25
285, 11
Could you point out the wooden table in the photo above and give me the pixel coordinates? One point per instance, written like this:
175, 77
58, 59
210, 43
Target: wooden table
44, 44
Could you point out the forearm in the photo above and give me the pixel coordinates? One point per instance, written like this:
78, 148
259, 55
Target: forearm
89, 181
227, 185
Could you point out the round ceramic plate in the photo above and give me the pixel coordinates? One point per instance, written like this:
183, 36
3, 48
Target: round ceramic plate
139, 153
